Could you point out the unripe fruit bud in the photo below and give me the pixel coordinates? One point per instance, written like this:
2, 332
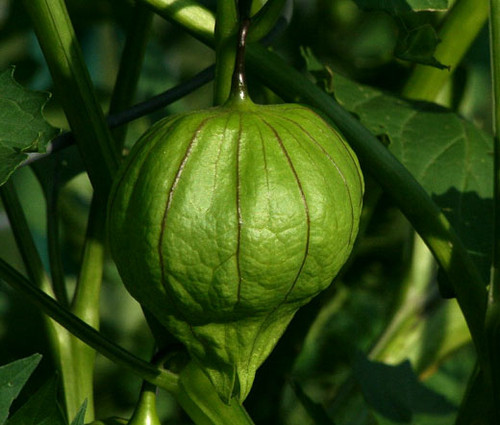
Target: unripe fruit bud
224, 222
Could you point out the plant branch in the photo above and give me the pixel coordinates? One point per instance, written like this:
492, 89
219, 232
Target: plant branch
137, 111
265, 19
157, 376
225, 48
59, 339
130, 65
188, 14
74, 89
53, 241
24, 239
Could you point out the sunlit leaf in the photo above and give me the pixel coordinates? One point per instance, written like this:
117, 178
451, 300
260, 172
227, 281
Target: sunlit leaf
447, 154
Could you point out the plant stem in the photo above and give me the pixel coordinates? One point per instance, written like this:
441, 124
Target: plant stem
460, 28
265, 19
86, 306
74, 89
157, 376
58, 337
189, 14
53, 241
24, 240
225, 48
130, 65
137, 111
145, 412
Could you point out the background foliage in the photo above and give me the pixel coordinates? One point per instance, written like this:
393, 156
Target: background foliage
384, 306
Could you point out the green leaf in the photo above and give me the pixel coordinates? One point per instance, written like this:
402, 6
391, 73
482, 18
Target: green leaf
315, 410
322, 73
419, 45
80, 415
449, 156
395, 392
41, 408
13, 376
401, 6
22, 125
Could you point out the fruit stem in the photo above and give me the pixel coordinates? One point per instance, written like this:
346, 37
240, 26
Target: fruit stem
239, 90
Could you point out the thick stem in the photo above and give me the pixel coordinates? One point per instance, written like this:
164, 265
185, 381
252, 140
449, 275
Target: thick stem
74, 89
225, 48
79, 384
145, 412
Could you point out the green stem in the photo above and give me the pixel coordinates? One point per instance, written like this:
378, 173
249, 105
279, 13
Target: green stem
265, 19
86, 306
74, 89
189, 14
79, 383
59, 339
145, 412
460, 28
24, 239
225, 48
53, 240
157, 376
130, 65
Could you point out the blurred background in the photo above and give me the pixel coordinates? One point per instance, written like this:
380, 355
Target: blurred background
320, 353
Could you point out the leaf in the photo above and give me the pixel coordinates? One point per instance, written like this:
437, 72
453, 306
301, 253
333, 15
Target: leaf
395, 392
417, 39
80, 415
419, 45
22, 125
13, 376
41, 408
322, 73
449, 156
401, 6
315, 410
